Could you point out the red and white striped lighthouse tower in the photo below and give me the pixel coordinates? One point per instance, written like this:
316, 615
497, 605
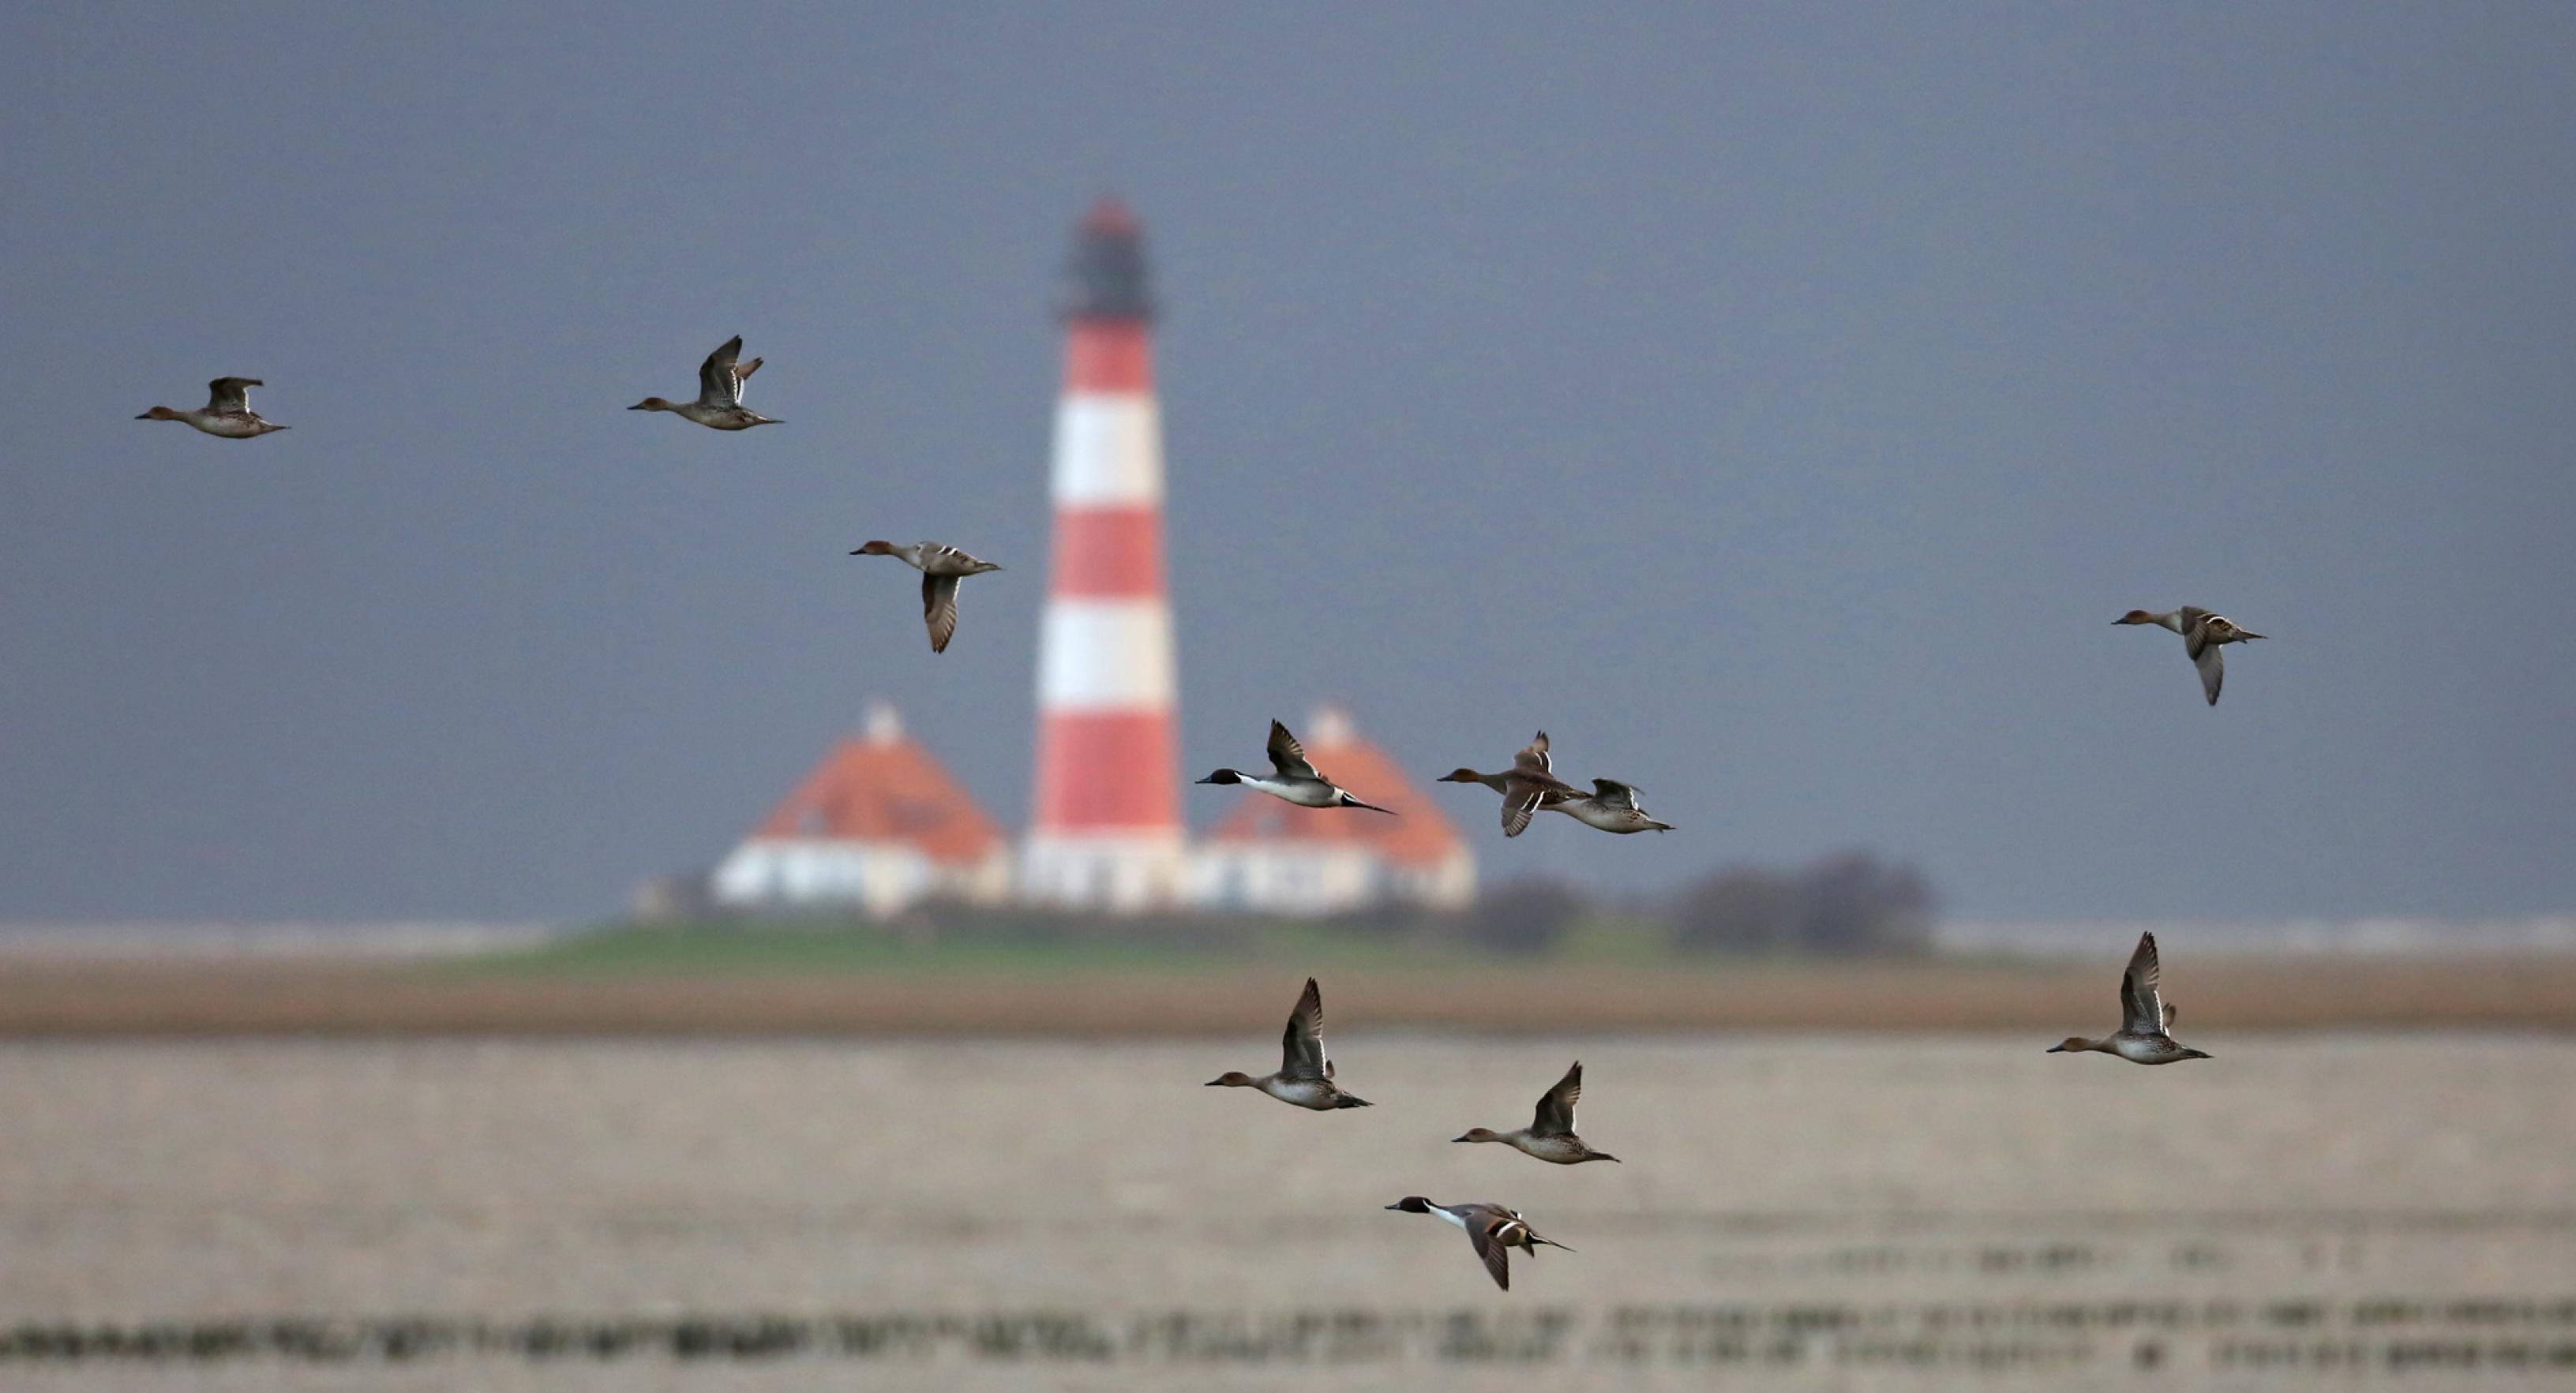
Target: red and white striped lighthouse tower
1107, 829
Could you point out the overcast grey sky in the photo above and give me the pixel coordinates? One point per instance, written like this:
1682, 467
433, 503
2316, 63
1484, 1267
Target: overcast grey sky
1776, 404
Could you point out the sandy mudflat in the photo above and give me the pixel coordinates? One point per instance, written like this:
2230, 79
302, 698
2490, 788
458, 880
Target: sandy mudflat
1815, 1211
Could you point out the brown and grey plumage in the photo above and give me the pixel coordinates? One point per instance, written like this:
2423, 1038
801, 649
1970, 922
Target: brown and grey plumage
1613, 807
1550, 1135
719, 404
2203, 636
226, 413
2146, 1018
1305, 1076
1529, 785
941, 567
1492, 1230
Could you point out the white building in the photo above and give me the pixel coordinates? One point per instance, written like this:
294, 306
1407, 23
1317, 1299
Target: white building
878, 826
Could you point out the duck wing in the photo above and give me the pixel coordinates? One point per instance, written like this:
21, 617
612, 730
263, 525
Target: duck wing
1521, 797
1556, 1107
1289, 757
1610, 793
719, 384
1301, 1047
1534, 756
2142, 1010
939, 608
1483, 1233
230, 396
2211, 659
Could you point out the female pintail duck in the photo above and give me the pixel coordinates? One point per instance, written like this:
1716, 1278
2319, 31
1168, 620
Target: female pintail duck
2203, 634
1550, 1136
1296, 778
941, 567
1493, 1231
719, 404
1305, 1075
1612, 808
227, 411
1530, 784
2146, 1020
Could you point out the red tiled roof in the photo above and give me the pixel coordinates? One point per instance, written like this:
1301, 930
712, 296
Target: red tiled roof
1419, 835
878, 790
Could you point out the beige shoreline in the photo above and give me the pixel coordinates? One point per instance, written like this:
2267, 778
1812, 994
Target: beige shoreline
107, 999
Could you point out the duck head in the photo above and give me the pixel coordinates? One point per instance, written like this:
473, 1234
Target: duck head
1229, 1079
2075, 1044
159, 413
874, 549
1462, 776
651, 404
1224, 776
1478, 1134
2135, 616
1412, 1204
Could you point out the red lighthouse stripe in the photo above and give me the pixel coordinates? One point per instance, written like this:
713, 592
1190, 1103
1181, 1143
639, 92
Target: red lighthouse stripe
1108, 552
1108, 355
1103, 770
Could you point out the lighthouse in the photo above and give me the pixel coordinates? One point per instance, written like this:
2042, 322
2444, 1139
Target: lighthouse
1106, 832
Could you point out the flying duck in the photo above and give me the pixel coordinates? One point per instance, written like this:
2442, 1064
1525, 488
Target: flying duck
1550, 1136
2203, 634
2146, 1018
1530, 784
941, 567
1295, 778
1493, 1231
719, 404
227, 411
1305, 1075
1612, 808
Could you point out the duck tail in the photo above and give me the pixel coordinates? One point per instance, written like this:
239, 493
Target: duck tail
1352, 1100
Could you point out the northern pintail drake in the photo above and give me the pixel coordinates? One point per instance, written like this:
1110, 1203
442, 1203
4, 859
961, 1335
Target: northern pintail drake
227, 412
1305, 1075
2146, 1018
1612, 808
941, 567
2203, 634
1293, 777
1550, 1136
719, 404
1491, 1229
1529, 785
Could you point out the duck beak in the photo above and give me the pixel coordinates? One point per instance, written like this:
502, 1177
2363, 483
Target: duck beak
2054, 1049
146, 416
1457, 1139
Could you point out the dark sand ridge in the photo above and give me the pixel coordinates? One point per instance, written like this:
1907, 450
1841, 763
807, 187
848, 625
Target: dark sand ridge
2215, 994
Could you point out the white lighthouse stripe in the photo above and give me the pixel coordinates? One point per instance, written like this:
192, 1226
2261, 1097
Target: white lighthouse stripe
1101, 655
1108, 449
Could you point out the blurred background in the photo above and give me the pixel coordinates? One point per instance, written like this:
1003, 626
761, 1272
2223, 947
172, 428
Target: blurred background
493, 895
